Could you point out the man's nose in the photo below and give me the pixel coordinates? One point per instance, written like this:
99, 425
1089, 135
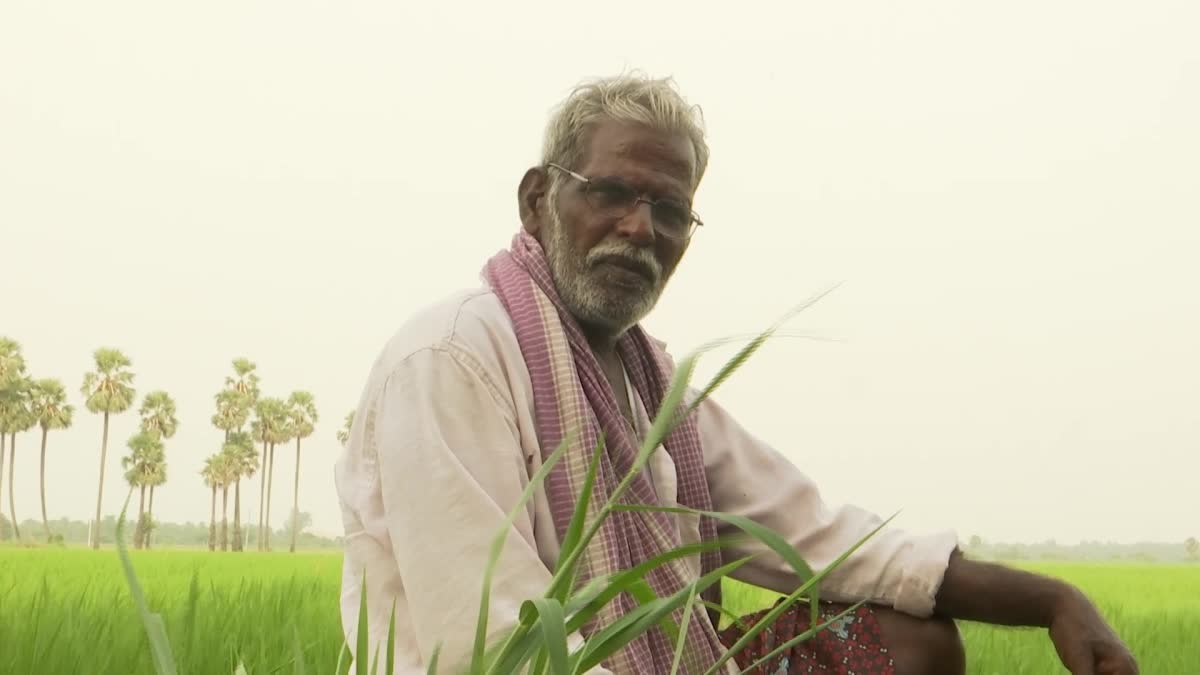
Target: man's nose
638, 226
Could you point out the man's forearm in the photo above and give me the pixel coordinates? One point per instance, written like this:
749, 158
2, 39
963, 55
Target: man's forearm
978, 591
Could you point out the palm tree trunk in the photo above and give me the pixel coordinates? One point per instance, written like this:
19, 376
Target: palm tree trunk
45, 520
3, 440
212, 521
225, 518
237, 514
296, 500
270, 482
100, 490
139, 532
149, 517
262, 494
12, 469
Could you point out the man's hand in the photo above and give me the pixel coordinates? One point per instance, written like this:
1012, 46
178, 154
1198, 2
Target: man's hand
989, 593
1085, 643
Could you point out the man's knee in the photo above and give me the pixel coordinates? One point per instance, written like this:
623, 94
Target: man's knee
923, 646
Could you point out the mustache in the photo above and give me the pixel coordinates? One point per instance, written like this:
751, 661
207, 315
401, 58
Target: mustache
640, 258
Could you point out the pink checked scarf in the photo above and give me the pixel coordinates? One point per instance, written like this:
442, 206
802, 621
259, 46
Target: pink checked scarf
572, 394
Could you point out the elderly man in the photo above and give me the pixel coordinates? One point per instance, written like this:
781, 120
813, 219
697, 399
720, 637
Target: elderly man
477, 389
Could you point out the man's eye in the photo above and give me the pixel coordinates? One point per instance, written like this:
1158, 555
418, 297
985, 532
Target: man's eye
673, 214
610, 194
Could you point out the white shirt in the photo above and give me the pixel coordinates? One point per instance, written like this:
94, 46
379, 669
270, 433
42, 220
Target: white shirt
443, 443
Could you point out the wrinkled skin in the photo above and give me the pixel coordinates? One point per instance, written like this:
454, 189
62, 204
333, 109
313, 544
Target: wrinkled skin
610, 273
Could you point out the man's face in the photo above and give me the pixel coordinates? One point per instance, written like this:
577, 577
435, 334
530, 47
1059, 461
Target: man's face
610, 272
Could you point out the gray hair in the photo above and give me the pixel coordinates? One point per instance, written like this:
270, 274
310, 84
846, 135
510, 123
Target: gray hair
624, 98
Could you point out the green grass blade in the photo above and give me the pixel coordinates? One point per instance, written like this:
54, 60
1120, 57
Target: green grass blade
585, 603
390, 658
590, 591
478, 663
681, 640
669, 415
344, 657
813, 629
375, 661
770, 617
814, 604
516, 652
764, 534
540, 661
575, 529
160, 646
820, 576
734, 619
360, 654
554, 632
641, 591
297, 652
739, 359
622, 631
526, 647
189, 622
433, 659
623, 581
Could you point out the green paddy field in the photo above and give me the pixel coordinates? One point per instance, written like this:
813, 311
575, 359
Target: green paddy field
70, 611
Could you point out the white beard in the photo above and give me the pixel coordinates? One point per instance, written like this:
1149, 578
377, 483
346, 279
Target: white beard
589, 299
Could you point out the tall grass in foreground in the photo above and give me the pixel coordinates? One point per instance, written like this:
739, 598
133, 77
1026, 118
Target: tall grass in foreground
68, 611
538, 643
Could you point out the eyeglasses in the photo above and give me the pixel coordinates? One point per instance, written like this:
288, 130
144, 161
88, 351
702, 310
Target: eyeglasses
614, 198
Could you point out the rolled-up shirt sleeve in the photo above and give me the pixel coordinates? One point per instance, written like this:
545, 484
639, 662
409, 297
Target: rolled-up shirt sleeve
748, 477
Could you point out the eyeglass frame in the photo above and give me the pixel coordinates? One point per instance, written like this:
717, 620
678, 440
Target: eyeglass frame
639, 199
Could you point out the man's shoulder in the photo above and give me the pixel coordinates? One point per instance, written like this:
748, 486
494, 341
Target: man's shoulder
470, 323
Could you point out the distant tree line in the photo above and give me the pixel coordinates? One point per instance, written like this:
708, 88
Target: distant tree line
75, 533
1168, 552
243, 418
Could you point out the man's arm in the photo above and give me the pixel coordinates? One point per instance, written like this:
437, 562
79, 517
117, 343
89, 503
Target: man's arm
918, 575
450, 469
749, 478
989, 593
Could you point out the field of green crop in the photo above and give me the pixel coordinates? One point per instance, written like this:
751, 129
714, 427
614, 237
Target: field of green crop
70, 611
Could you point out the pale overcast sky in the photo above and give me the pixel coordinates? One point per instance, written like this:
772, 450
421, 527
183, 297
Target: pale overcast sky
1008, 190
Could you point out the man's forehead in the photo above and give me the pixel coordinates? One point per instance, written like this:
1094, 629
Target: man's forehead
665, 151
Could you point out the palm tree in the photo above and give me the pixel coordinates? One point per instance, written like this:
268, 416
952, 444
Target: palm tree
234, 404
260, 432
156, 477
49, 407
343, 434
228, 475
243, 462
281, 432
303, 420
232, 411
108, 390
158, 414
158, 418
12, 373
269, 427
211, 476
15, 418
145, 451
245, 381
12, 363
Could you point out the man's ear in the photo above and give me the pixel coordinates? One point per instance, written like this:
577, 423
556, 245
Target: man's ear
531, 199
